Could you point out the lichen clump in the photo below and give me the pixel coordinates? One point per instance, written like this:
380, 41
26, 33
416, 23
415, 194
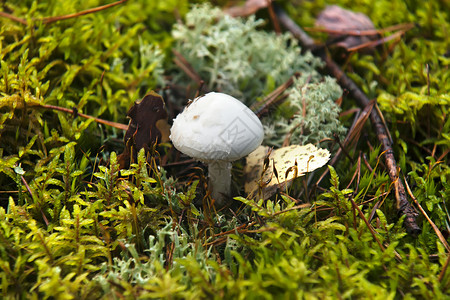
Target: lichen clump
233, 56
315, 118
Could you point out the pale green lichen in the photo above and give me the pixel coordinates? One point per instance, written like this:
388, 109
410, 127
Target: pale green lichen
316, 114
234, 57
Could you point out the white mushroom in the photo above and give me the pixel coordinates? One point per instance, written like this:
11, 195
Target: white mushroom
217, 129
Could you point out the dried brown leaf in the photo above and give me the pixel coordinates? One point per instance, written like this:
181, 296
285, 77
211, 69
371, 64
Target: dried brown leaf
147, 126
336, 19
250, 7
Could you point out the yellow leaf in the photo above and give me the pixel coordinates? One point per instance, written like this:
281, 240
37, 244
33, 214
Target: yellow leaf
268, 171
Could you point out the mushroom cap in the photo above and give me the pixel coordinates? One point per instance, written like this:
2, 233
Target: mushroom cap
215, 127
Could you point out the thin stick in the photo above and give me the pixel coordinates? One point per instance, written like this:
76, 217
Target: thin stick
377, 42
13, 18
98, 120
403, 27
384, 123
372, 231
435, 228
352, 137
48, 20
403, 205
273, 17
32, 197
444, 268
261, 108
187, 68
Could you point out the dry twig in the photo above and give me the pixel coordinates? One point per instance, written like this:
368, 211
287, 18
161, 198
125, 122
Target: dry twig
402, 27
184, 65
435, 228
48, 20
273, 99
75, 113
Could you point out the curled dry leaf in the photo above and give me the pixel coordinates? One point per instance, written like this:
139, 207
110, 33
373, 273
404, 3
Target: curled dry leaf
250, 7
267, 171
345, 26
148, 125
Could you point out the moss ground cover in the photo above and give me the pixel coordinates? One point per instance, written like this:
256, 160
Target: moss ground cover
75, 226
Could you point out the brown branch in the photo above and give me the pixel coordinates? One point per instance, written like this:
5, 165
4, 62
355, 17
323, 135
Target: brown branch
47, 20
273, 99
372, 231
98, 120
403, 27
187, 68
273, 17
403, 206
32, 197
435, 228
13, 18
444, 268
373, 44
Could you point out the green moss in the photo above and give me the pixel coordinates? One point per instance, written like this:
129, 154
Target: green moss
75, 227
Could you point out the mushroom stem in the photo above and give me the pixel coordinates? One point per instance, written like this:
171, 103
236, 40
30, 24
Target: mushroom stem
219, 173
